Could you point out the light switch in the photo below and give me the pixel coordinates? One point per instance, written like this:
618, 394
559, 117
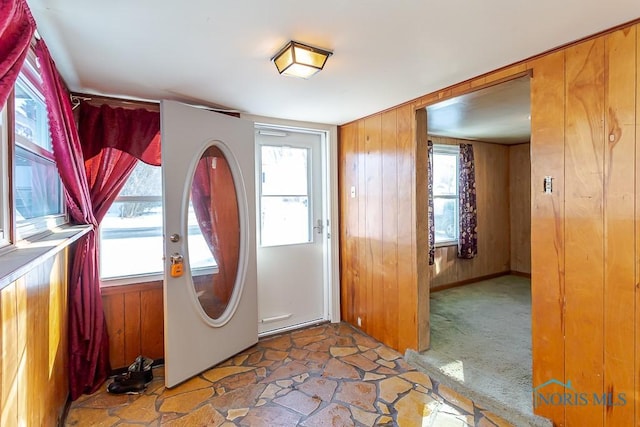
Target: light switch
353, 191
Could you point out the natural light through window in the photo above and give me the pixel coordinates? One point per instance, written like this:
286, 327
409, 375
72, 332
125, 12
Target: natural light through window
131, 242
445, 193
37, 190
284, 201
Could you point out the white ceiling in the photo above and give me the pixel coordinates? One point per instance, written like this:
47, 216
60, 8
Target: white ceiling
500, 113
385, 52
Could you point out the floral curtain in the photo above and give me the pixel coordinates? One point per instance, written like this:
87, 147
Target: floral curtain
430, 214
468, 238
16, 29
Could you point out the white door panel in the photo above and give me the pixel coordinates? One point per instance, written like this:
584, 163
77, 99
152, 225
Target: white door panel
193, 340
290, 254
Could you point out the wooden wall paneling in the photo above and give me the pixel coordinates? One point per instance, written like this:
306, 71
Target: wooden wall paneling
636, 376
547, 225
407, 297
113, 306
132, 347
520, 207
36, 350
9, 362
584, 257
619, 227
348, 177
373, 195
420, 232
23, 355
152, 323
390, 290
362, 293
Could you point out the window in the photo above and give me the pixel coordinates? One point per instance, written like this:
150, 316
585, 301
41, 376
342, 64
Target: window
131, 237
131, 232
4, 178
37, 189
445, 193
284, 195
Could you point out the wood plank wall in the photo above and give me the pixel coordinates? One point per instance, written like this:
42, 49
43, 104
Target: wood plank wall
492, 198
585, 248
135, 322
379, 283
33, 342
520, 207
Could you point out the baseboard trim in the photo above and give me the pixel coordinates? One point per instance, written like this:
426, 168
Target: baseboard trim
469, 281
520, 274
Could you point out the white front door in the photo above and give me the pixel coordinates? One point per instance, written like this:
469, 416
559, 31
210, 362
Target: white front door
210, 310
292, 229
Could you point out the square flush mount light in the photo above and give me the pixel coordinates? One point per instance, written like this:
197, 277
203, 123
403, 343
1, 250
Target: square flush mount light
300, 60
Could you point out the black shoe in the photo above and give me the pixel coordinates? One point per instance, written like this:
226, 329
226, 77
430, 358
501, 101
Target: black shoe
130, 385
145, 376
141, 364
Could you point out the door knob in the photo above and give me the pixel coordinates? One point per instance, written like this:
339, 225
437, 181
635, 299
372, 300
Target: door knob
318, 228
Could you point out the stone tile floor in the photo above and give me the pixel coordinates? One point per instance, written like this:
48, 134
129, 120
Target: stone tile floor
327, 375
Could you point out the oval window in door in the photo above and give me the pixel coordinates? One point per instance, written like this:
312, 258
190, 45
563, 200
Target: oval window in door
214, 232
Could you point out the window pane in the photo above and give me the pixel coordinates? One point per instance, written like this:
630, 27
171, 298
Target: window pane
4, 177
131, 239
200, 255
131, 232
37, 186
445, 217
284, 171
445, 176
284, 220
31, 115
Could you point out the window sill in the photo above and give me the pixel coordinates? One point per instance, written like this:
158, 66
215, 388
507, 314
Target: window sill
446, 244
19, 259
144, 279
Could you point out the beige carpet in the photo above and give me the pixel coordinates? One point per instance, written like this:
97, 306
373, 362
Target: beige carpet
481, 345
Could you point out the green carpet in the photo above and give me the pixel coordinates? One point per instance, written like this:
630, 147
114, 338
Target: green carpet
481, 346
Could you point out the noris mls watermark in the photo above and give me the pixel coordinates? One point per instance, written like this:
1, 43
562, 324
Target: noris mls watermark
543, 395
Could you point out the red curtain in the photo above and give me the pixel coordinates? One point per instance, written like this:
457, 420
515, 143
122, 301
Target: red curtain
16, 29
91, 185
216, 207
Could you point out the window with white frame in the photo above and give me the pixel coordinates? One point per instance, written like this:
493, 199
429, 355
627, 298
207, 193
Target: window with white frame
4, 178
445, 193
131, 232
131, 235
37, 189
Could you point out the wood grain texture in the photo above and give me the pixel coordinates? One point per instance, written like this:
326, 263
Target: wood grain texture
547, 228
373, 225
520, 207
390, 291
33, 369
492, 197
584, 231
636, 376
579, 297
135, 322
408, 292
347, 176
619, 222
377, 228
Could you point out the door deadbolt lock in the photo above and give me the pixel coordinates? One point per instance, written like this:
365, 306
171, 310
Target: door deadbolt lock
177, 265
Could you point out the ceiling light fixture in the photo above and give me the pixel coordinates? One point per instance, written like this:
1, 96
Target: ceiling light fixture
300, 60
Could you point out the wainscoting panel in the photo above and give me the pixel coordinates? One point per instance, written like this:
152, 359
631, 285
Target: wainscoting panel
33, 343
134, 316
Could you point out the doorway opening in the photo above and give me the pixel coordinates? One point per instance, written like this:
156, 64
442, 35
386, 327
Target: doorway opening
293, 228
480, 294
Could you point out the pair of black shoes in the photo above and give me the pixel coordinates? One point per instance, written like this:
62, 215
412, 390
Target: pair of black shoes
136, 378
